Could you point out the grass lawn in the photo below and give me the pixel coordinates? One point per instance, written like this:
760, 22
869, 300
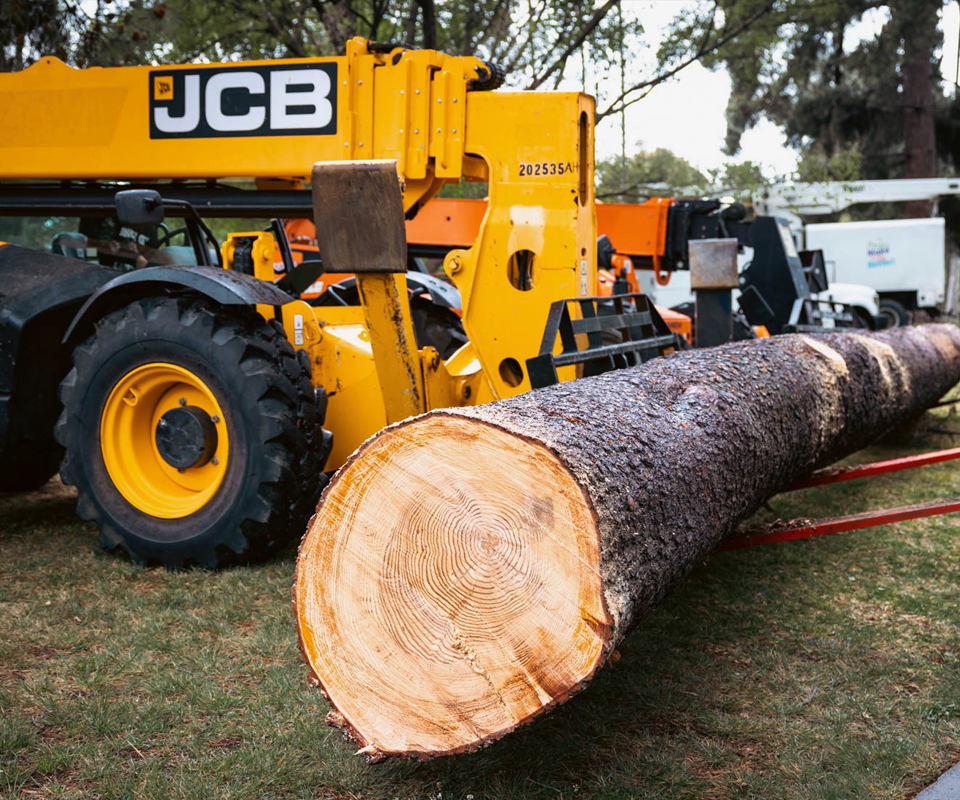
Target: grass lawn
825, 668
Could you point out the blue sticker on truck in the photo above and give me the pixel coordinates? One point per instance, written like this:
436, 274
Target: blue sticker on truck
213, 102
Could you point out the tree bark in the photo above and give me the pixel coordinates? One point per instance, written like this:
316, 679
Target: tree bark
918, 23
471, 568
429, 24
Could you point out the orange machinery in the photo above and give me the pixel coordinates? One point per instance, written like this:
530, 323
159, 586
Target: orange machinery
638, 231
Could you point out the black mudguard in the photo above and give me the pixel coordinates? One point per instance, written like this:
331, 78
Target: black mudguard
33, 284
224, 287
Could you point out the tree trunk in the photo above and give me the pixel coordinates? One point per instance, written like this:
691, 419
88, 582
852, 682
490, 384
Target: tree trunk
471, 568
411, 29
429, 24
917, 20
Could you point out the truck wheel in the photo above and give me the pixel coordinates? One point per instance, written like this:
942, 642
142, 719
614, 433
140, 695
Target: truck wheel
192, 433
895, 312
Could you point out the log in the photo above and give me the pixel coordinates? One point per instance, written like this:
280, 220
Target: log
471, 568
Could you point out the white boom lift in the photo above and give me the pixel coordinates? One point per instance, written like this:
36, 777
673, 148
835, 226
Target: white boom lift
797, 200
903, 260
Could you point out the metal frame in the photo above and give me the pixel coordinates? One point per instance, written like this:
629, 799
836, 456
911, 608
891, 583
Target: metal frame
808, 316
790, 530
644, 336
208, 198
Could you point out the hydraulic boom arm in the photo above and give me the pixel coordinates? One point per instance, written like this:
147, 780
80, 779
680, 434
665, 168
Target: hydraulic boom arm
799, 199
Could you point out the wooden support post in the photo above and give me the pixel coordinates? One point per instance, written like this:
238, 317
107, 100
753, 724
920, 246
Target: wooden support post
358, 212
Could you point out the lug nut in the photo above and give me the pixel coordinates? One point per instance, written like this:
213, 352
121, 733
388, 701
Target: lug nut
214, 461
182, 401
215, 419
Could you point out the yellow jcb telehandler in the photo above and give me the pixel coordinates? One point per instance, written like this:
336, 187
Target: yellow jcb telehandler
197, 390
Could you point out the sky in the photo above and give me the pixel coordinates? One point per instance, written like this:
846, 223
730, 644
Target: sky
686, 114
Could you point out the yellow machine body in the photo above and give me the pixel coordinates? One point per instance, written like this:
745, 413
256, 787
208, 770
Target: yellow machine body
271, 120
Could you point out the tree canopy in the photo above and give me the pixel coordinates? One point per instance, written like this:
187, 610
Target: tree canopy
534, 40
853, 83
662, 173
646, 173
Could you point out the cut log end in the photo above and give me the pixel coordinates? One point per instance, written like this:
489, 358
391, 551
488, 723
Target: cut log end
441, 607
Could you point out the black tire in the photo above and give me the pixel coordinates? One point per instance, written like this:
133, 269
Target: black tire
863, 318
437, 327
895, 312
273, 476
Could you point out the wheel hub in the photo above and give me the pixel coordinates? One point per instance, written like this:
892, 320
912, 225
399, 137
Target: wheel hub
173, 470
186, 437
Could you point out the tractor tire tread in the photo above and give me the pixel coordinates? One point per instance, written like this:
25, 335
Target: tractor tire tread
291, 462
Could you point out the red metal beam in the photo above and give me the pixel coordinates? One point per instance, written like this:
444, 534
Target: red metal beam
805, 528
876, 468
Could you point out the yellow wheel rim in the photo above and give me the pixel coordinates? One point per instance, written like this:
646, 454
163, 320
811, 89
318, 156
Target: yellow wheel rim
128, 441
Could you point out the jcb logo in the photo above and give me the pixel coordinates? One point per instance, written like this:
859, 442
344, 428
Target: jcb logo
281, 100
163, 87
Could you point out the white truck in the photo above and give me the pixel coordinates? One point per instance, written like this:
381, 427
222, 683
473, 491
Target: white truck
903, 260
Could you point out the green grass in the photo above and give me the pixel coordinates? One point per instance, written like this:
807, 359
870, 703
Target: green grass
826, 668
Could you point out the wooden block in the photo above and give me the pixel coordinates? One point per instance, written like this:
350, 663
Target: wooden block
358, 211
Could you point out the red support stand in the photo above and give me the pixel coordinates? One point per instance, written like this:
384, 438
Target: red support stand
877, 468
789, 530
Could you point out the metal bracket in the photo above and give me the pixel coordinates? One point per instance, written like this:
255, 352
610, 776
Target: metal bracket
590, 337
